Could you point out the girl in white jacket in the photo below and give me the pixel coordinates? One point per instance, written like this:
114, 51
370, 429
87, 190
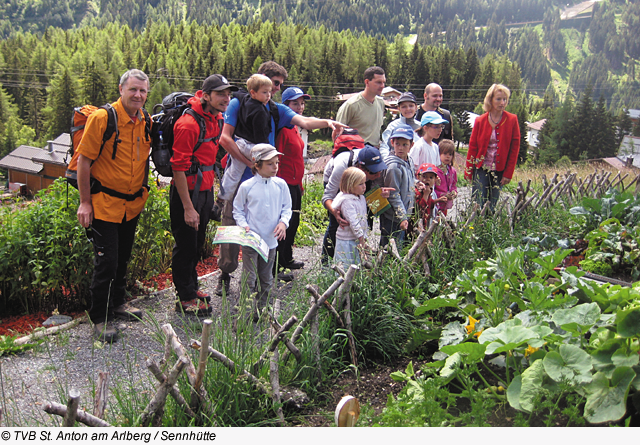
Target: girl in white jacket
353, 207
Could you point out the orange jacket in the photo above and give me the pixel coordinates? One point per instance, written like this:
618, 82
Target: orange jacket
508, 134
126, 173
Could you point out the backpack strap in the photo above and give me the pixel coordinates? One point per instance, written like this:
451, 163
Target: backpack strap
196, 168
147, 124
275, 114
112, 127
97, 187
203, 129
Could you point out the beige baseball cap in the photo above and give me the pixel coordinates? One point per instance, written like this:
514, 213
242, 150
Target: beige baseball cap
264, 152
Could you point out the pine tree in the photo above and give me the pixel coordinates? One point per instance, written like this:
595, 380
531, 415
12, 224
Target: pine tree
95, 84
549, 99
63, 96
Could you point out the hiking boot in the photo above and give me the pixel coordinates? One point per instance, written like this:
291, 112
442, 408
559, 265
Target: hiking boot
128, 312
203, 297
193, 307
286, 277
224, 282
216, 211
105, 332
295, 265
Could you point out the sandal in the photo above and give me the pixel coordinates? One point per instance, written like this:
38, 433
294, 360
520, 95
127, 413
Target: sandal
193, 307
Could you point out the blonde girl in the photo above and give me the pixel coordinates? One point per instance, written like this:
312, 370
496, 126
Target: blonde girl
353, 207
447, 190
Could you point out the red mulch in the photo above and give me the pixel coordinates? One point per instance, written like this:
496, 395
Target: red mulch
204, 267
25, 324
22, 324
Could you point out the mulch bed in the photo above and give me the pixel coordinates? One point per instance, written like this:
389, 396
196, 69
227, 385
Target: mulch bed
18, 325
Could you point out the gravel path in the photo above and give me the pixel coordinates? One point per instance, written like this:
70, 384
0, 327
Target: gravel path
72, 359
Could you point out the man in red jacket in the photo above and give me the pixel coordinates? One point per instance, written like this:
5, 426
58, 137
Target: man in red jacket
190, 212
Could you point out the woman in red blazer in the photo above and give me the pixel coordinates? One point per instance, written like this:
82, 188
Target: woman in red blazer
493, 147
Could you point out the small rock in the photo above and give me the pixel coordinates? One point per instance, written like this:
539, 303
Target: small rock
293, 398
56, 320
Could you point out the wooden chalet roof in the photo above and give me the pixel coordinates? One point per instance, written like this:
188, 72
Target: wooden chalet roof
21, 159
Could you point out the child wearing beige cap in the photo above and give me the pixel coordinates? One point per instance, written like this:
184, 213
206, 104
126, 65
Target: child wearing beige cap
263, 204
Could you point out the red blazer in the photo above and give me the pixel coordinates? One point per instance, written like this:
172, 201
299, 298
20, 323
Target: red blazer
508, 134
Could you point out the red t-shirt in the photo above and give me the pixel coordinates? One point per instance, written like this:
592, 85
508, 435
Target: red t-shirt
425, 207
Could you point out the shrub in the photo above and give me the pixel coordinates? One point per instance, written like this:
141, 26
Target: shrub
47, 259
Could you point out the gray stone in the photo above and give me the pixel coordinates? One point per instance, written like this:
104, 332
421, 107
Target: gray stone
56, 320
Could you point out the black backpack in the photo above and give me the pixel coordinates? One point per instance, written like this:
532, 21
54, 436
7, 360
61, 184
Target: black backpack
165, 115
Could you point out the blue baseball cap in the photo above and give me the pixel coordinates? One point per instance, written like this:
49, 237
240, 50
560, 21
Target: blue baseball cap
431, 117
371, 159
402, 131
407, 97
292, 93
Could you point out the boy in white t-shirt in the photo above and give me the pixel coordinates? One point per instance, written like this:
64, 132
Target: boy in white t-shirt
425, 151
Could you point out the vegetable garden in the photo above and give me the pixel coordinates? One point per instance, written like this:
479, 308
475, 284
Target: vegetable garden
501, 310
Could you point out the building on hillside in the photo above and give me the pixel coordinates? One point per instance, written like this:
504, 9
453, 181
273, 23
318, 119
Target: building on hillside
533, 131
36, 168
634, 115
630, 150
471, 119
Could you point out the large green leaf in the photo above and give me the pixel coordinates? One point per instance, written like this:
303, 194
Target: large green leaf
451, 366
513, 392
452, 334
606, 400
602, 358
530, 387
628, 322
473, 351
506, 336
569, 363
621, 358
435, 303
582, 315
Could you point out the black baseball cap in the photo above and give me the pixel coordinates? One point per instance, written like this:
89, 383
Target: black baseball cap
217, 82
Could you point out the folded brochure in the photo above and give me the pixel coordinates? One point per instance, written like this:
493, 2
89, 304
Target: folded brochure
376, 202
237, 235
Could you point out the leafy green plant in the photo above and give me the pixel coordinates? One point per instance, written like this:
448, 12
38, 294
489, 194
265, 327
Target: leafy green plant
47, 259
313, 216
8, 345
625, 207
613, 248
422, 402
153, 243
572, 339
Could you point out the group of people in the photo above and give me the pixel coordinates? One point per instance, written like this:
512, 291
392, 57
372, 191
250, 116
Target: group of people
261, 189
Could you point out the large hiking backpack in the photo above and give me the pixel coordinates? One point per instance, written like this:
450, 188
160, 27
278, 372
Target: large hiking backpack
349, 140
165, 115
78, 122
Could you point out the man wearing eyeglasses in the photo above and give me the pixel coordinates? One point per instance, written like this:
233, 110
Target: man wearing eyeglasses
432, 101
228, 261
